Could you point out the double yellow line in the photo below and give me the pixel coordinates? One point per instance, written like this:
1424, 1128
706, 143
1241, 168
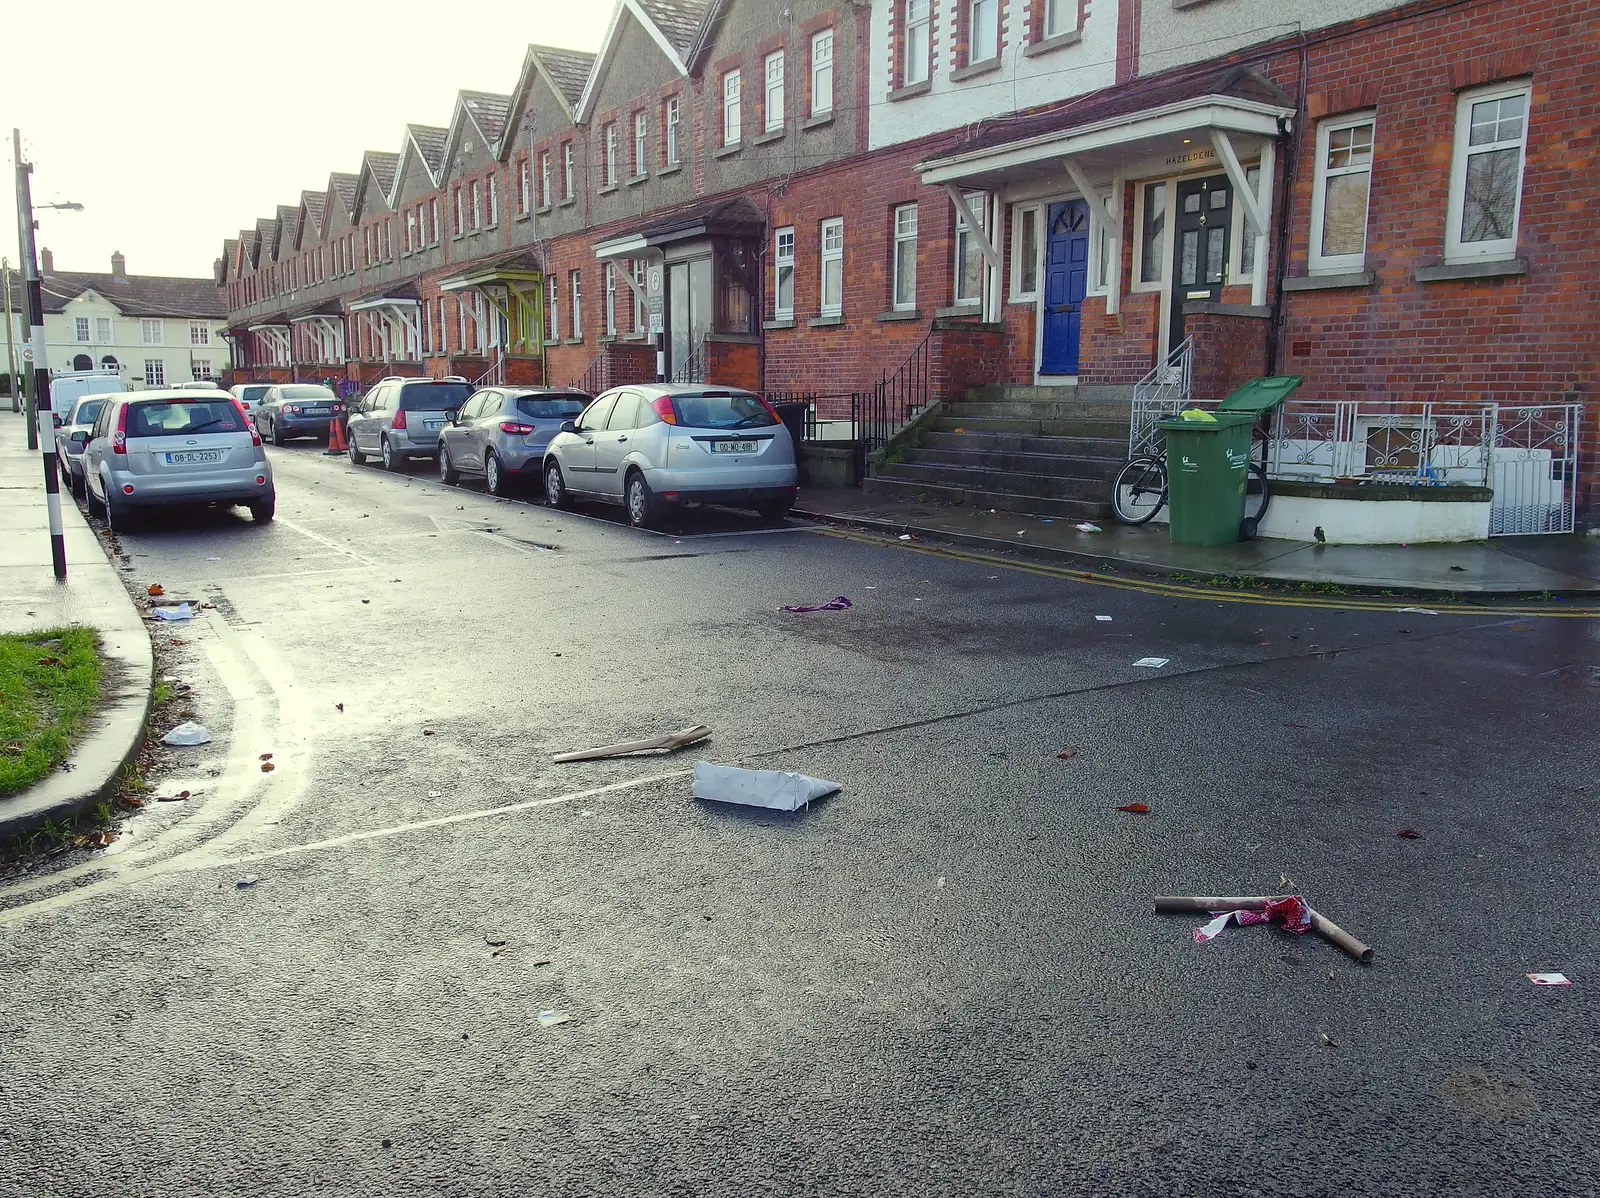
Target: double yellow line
1178, 590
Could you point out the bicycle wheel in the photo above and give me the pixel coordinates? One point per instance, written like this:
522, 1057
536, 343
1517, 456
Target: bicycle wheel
1257, 493
1140, 490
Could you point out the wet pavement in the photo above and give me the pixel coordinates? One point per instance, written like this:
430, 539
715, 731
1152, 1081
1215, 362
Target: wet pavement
947, 979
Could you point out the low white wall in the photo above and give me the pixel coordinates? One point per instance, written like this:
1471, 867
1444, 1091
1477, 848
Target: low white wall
1374, 522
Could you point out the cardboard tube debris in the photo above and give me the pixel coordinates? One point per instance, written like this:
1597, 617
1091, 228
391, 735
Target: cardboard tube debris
1320, 923
672, 742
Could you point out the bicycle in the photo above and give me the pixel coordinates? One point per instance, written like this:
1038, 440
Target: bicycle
1140, 490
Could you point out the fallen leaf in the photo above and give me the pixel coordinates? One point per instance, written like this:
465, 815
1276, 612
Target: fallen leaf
427, 732
1409, 834
1066, 753
1327, 1040
340, 706
1522, 628
1135, 808
155, 588
1459, 569
266, 757
369, 601
1286, 882
177, 798
49, 661
267, 767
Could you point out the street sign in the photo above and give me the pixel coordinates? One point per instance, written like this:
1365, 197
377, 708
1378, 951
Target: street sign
655, 300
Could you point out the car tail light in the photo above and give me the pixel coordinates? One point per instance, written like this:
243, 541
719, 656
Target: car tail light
338, 407
398, 424
517, 430
119, 439
292, 408
771, 411
255, 437
663, 408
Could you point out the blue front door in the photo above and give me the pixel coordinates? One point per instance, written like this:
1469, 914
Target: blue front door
1066, 280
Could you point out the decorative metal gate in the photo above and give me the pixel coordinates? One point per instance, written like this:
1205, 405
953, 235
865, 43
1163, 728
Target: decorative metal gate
1533, 468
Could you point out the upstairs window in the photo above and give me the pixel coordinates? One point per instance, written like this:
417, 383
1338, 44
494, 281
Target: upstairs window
610, 177
199, 333
1339, 197
474, 210
524, 185
670, 121
80, 330
150, 331
731, 108
917, 43
567, 188
1486, 173
492, 193
822, 72
983, 30
1060, 16
772, 99
641, 145
544, 179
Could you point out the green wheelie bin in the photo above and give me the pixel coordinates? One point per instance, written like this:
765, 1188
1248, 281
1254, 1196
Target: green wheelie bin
1207, 466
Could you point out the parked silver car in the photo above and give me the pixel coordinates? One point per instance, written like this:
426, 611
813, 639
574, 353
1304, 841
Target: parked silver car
71, 438
502, 432
151, 448
401, 419
249, 395
653, 445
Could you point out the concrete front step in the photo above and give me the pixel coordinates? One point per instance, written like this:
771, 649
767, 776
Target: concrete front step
1006, 501
1035, 409
1110, 430
1110, 449
1019, 462
1044, 486
1117, 393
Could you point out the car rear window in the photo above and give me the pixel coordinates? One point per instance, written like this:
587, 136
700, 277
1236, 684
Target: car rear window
251, 394
551, 407
88, 410
721, 409
305, 393
177, 418
434, 397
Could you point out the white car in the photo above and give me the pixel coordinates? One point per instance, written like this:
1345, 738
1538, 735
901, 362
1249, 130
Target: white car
654, 445
249, 395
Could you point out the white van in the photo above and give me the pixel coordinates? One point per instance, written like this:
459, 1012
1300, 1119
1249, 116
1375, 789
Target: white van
69, 387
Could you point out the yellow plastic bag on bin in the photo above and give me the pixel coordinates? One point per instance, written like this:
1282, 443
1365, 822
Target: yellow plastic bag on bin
1198, 415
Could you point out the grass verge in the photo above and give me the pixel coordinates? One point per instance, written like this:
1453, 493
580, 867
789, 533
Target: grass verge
49, 687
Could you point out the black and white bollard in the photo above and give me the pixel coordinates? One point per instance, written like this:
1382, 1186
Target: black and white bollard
52, 489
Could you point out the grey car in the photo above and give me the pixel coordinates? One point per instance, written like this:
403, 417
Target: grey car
400, 419
656, 445
296, 410
155, 448
71, 438
502, 432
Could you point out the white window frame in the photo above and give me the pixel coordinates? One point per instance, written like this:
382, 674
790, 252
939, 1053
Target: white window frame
1242, 234
152, 331
474, 205
822, 72
782, 269
1317, 262
981, 202
567, 183
544, 199
1456, 250
524, 185
575, 282
1019, 214
200, 368
552, 303
983, 16
409, 242
199, 333
772, 73
155, 372
611, 299
433, 221
916, 42
828, 256
641, 144
1053, 22
902, 232
104, 330
610, 179
672, 119
1169, 188
444, 328
732, 108
492, 193
459, 211
81, 328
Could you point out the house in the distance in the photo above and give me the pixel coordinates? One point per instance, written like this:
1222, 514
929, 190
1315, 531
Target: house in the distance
154, 331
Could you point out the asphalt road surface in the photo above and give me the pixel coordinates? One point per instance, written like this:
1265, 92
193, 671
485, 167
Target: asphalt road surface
946, 980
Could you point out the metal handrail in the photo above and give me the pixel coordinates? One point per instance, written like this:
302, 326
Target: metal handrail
693, 368
1159, 394
589, 381
877, 415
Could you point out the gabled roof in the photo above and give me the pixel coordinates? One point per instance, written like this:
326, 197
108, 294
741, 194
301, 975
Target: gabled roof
344, 186
137, 295
427, 143
674, 25
565, 73
230, 256
288, 231
480, 112
266, 238
378, 167
246, 253
312, 204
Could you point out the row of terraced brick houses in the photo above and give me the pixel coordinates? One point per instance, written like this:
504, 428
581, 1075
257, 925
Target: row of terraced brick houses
1123, 200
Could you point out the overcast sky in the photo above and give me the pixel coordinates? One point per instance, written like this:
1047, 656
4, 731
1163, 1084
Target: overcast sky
175, 123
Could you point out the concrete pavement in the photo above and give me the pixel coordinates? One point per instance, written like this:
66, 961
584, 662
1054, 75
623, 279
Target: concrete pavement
946, 980
1502, 566
92, 596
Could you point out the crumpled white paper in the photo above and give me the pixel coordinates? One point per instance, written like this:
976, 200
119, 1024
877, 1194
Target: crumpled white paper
758, 788
181, 612
187, 733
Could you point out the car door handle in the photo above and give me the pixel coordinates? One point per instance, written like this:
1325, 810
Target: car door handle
621, 439
588, 440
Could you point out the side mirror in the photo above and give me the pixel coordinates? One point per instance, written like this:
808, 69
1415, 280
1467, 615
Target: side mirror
453, 417
55, 419
569, 426
81, 437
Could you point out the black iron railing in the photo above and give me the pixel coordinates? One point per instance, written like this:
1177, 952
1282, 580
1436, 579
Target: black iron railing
589, 381
693, 368
877, 415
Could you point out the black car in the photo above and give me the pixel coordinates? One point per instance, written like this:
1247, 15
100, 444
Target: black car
296, 410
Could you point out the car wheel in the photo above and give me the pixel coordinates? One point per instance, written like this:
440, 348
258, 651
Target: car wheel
75, 484
119, 515
555, 486
391, 460
494, 474
262, 510
643, 508
277, 436
357, 458
92, 502
774, 510
448, 474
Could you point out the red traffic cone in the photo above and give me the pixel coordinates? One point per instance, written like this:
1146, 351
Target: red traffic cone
336, 441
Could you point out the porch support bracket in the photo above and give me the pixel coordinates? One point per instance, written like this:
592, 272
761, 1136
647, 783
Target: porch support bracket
1257, 203
974, 226
1109, 209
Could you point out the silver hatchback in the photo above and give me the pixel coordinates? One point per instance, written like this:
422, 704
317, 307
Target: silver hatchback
502, 433
158, 448
400, 419
652, 446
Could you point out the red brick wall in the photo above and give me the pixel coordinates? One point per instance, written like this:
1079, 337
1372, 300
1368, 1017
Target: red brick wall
963, 354
1120, 348
1228, 351
734, 364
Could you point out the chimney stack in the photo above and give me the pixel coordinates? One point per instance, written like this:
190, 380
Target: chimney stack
47, 262
119, 265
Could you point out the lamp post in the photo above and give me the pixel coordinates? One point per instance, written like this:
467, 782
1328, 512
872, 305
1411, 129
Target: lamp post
41, 429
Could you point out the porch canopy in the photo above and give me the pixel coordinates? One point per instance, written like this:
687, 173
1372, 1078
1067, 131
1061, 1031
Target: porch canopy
274, 335
732, 222
513, 284
1164, 127
395, 309
323, 325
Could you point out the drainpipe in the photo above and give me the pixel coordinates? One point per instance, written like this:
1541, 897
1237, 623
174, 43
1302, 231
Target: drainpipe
1291, 160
